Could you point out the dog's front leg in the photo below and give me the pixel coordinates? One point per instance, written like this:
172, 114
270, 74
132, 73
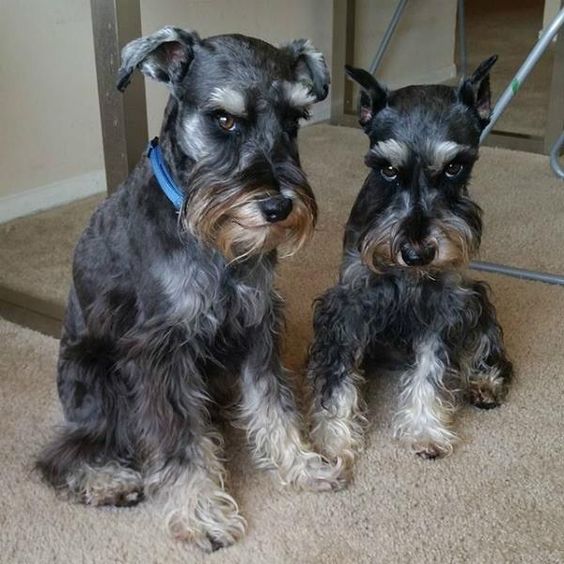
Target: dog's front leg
341, 336
181, 451
426, 404
190, 488
487, 369
273, 425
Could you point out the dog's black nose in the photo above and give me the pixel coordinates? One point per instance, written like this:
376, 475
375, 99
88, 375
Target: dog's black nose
418, 255
277, 208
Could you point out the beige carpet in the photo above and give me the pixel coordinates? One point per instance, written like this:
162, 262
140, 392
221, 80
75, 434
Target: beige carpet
499, 498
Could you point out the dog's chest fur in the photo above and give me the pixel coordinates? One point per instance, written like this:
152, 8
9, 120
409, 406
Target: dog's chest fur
411, 307
209, 297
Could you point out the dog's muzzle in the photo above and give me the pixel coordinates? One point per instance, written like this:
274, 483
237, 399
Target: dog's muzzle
252, 213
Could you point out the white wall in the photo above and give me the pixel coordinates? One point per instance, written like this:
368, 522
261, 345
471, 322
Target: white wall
49, 124
551, 8
422, 47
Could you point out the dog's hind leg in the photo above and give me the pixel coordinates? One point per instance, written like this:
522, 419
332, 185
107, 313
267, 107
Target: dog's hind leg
487, 369
87, 463
111, 483
426, 403
78, 464
334, 370
91, 460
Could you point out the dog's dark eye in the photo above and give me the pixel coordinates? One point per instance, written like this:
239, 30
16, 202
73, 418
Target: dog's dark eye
389, 172
226, 121
453, 169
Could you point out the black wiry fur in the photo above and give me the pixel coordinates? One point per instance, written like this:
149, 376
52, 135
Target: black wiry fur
440, 322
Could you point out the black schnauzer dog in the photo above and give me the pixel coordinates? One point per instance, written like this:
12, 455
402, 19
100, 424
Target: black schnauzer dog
172, 298
402, 287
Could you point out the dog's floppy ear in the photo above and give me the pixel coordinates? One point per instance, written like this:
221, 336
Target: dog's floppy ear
373, 96
165, 56
309, 67
475, 91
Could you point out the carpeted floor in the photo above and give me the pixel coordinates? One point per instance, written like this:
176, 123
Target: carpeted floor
499, 498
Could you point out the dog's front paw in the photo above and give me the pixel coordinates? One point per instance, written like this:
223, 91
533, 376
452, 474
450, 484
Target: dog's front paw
429, 449
338, 442
311, 471
486, 393
316, 473
339, 436
215, 523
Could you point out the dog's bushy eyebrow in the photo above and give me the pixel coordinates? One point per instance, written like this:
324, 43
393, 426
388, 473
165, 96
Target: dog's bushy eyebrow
228, 99
393, 151
297, 94
440, 153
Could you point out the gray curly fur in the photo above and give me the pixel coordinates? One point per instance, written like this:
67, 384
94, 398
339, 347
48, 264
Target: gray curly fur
159, 319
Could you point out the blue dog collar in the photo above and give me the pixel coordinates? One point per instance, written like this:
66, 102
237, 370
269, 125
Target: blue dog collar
171, 190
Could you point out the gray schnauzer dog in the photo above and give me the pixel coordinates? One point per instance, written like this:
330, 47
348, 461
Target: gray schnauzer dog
169, 307
403, 292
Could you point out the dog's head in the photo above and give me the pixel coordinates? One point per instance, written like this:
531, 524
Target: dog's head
414, 211
229, 134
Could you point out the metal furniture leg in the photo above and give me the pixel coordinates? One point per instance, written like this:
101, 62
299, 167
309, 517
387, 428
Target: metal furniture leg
555, 111
555, 156
499, 108
123, 116
375, 64
516, 272
527, 66
463, 67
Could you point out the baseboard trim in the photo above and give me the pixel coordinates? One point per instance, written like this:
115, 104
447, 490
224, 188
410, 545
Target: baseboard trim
52, 195
31, 319
28, 311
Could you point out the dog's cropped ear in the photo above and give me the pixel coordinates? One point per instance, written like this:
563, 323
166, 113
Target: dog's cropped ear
309, 67
373, 96
165, 56
475, 91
